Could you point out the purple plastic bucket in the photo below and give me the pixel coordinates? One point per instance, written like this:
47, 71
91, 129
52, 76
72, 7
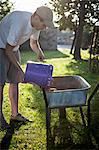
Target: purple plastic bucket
40, 74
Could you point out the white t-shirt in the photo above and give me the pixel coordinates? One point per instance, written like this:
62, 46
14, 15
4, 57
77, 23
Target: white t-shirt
15, 29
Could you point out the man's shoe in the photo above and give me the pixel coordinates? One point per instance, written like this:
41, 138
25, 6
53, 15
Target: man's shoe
3, 124
19, 118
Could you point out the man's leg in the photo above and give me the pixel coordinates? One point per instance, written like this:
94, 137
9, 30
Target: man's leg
2, 77
1, 99
13, 95
14, 92
3, 123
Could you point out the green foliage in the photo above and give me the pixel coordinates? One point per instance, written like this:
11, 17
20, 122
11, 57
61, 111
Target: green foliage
68, 11
5, 7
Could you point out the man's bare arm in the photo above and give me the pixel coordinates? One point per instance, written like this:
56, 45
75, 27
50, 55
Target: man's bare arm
9, 53
36, 48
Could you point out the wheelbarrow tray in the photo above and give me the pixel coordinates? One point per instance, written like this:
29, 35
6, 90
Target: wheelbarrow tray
67, 91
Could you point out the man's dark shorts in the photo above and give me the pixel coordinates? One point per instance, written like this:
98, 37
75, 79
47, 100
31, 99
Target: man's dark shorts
8, 72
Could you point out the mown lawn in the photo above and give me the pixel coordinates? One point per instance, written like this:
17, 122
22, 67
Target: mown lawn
32, 136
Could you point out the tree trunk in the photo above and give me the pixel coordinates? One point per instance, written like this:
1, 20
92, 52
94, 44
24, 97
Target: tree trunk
77, 54
74, 40
71, 51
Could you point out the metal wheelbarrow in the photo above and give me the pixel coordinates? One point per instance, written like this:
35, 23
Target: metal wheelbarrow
64, 92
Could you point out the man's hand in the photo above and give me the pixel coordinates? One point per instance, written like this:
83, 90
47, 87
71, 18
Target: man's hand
40, 56
36, 48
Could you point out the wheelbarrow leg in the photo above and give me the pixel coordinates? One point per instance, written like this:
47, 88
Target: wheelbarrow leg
82, 116
48, 131
48, 119
62, 113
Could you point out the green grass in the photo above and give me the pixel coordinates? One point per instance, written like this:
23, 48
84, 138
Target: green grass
32, 136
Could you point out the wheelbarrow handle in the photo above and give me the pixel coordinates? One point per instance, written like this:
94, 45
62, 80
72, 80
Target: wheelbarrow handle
89, 100
93, 93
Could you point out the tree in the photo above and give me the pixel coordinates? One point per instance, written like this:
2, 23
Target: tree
79, 32
5, 7
71, 11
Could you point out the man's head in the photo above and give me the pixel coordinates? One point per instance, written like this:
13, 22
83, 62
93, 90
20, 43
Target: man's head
42, 18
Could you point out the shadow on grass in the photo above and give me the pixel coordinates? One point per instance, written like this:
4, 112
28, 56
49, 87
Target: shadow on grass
6, 140
79, 67
55, 54
95, 117
26, 56
82, 68
38, 101
64, 135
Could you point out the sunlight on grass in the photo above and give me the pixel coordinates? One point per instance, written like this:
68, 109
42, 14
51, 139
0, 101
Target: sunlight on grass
31, 102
